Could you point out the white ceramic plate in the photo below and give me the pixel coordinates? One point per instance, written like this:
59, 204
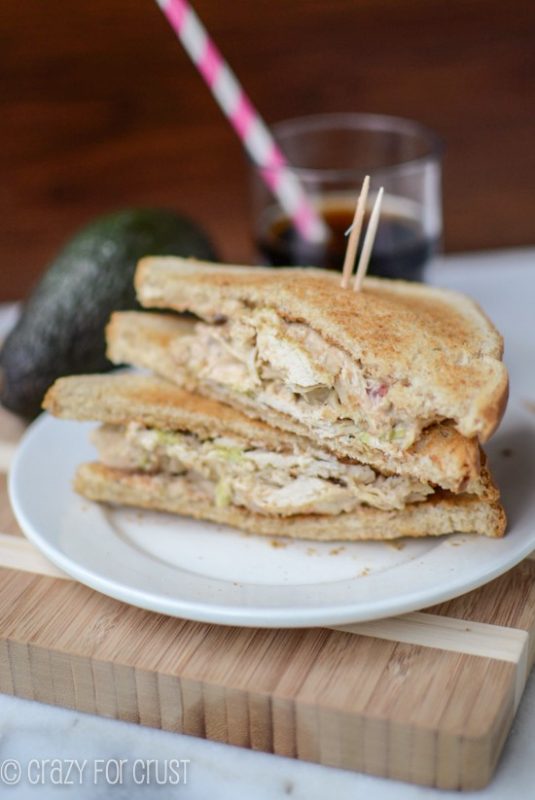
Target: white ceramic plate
206, 572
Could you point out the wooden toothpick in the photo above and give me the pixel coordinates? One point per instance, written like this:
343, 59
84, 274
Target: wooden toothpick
354, 236
369, 239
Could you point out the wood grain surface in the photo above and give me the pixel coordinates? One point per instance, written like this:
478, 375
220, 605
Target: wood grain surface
101, 109
427, 697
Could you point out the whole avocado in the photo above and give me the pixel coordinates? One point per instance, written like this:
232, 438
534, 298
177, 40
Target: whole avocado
61, 328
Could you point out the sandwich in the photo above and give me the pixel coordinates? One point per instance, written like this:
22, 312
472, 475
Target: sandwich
403, 377
161, 447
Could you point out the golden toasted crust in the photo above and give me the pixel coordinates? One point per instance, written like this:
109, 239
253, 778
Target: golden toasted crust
440, 515
441, 456
438, 340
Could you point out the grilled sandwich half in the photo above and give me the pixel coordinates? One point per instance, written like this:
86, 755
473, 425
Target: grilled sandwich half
404, 377
163, 448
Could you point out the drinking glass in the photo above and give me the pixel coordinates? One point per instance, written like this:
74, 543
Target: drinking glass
331, 154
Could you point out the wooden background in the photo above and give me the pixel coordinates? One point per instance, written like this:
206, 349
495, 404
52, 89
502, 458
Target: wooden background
101, 109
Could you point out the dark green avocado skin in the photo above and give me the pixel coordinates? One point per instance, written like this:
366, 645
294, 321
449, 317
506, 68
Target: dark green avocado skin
61, 328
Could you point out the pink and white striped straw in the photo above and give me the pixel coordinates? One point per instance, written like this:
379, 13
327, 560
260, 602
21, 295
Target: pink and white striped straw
244, 118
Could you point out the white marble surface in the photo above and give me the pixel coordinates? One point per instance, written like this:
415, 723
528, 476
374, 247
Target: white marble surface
31, 733
31, 730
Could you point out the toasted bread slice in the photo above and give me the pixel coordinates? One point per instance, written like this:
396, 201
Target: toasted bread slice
441, 456
435, 347
442, 514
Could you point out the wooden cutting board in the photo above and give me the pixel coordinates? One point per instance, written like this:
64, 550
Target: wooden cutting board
427, 698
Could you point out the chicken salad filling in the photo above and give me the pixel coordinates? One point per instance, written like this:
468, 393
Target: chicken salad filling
289, 367
231, 471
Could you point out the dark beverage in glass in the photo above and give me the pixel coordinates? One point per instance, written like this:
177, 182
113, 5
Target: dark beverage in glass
401, 248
